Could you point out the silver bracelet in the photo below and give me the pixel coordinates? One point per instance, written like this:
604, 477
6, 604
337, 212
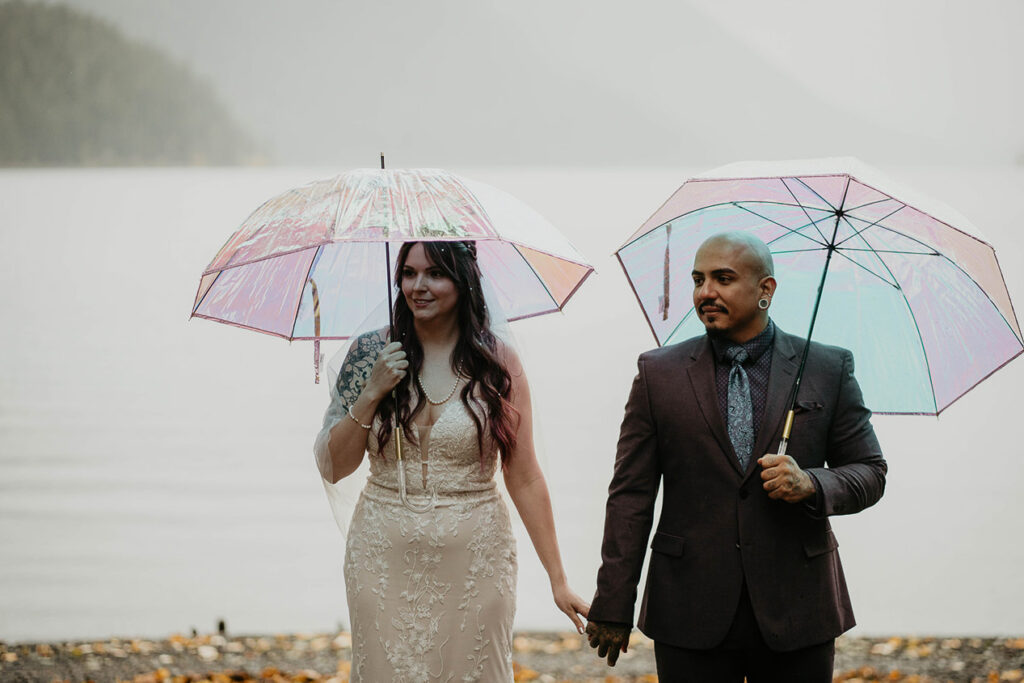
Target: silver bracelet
356, 420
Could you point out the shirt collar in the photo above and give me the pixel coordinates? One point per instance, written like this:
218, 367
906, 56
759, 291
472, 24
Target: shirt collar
755, 347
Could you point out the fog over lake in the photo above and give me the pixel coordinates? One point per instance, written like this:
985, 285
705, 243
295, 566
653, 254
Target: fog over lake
156, 474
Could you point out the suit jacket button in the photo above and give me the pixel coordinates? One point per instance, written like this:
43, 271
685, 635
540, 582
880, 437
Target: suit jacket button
743, 493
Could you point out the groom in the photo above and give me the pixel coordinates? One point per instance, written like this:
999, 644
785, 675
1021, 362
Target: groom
744, 577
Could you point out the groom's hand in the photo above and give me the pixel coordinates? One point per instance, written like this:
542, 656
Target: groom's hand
784, 480
609, 639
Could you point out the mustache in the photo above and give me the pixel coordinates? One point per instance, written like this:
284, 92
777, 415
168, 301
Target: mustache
711, 304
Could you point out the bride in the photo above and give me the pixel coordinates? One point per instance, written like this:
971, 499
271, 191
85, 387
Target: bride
431, 579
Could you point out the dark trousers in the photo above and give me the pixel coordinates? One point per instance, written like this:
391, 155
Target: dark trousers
744, 654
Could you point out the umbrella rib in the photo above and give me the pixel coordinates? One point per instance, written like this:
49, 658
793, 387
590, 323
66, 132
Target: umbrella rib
433, 202
795, 251
244, 326
736, 202
568, 296
207, 292
636, 294
894, 285
894, 251
857, 232
815, 192
278, 254
879, 224
678, 325
537, 275
958, 267
795, 231
437, 207
800, 204
298, 304
962, 270
973, 386
913, 317
877, 201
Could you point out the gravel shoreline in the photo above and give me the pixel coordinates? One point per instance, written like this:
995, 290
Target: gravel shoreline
541, 657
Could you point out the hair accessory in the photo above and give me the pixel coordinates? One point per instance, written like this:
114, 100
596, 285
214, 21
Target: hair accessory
763, 304
356, 420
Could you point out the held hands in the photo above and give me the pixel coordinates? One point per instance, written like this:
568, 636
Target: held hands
388, 371
609, 639
784, 480
570, 603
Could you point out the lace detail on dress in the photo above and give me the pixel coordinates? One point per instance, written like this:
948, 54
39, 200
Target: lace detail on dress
453, 462
432, 596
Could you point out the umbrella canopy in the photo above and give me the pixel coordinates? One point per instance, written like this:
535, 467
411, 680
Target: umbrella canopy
911, 288
310, 263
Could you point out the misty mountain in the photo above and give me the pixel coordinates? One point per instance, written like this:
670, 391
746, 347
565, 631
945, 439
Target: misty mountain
74, 91
492, 82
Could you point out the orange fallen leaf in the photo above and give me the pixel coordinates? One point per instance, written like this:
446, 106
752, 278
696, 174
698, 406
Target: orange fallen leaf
524, 674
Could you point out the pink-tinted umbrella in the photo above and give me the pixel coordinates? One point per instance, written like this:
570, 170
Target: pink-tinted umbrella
314, 262
310, 263
903, 281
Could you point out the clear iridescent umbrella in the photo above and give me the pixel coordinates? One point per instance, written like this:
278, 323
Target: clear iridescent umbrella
311, 263
904, 282
314, 262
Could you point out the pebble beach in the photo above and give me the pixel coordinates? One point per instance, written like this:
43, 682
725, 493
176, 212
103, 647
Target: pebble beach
542, 657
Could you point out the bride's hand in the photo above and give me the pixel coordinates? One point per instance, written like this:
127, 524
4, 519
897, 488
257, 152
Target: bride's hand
570, 603
388, 370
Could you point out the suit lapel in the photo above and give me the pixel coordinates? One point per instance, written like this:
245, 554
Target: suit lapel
780, 382
702, 380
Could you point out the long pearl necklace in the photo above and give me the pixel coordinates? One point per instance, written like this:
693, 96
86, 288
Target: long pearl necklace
458, 377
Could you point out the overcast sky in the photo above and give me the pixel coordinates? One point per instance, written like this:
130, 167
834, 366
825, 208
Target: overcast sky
457, 82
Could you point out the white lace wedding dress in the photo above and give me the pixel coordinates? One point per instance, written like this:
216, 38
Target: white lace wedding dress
431, 595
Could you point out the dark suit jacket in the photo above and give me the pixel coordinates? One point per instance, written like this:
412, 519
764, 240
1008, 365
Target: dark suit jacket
718, 526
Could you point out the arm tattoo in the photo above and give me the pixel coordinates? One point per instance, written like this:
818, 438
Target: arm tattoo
355, 371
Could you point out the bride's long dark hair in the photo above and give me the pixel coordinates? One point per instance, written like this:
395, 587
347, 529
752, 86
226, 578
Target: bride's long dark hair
476, 352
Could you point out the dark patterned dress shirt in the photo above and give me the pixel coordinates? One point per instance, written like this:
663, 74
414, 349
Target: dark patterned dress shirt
758, 366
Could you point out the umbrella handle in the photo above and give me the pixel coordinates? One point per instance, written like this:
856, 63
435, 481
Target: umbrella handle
785, 433
426, 507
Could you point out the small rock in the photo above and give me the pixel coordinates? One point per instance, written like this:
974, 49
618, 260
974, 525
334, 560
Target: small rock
207, 653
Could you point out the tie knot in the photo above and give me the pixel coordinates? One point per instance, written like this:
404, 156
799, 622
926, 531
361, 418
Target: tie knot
737, 355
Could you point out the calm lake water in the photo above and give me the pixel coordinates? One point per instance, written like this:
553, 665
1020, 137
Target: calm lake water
156, 474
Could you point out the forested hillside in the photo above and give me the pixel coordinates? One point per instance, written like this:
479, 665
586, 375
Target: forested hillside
74, 91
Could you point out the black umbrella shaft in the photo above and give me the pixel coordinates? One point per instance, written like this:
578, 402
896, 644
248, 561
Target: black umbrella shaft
810, 330
387, 276
807, 343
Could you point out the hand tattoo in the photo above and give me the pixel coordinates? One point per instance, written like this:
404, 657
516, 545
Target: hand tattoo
609, 639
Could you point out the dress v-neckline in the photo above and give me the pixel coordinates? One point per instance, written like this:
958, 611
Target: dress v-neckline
427, 431
444, 411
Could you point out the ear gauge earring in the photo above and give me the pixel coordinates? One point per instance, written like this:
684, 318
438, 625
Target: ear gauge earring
762, 304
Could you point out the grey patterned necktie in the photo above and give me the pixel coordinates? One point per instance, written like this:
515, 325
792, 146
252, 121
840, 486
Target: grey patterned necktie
740, 420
